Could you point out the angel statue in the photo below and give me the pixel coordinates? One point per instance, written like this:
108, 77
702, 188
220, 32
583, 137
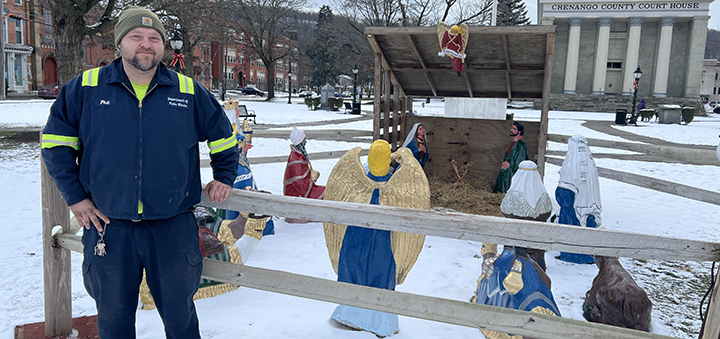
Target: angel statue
452, 43
367, 256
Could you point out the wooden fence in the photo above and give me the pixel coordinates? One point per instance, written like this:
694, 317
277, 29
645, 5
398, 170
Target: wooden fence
539, 235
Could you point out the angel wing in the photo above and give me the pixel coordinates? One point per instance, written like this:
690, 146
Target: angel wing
408, 187
441, 30
465, 31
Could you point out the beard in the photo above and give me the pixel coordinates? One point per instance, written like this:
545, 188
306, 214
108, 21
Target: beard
514, 134
136, 63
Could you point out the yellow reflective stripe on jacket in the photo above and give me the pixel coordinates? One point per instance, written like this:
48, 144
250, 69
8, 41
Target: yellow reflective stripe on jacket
218, 146
186, 84
90, 77
53, 140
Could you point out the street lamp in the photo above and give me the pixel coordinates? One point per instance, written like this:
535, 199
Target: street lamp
634, 115
289, 85
176, 43
355, 71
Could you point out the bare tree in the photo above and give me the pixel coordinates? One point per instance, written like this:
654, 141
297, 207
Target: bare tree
267, 29
409, 13
72, 21
195, 20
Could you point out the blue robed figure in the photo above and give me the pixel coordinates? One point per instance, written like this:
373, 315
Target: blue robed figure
367, 256
245, 177
578, 193
416, 141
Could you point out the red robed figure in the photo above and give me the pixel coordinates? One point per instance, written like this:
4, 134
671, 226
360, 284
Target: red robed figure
298, 181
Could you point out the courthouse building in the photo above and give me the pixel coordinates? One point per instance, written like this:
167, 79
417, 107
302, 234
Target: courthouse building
599, 44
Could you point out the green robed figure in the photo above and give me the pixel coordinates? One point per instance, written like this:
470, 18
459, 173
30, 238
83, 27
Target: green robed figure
516, 153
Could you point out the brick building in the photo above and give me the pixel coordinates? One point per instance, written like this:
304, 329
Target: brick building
240, 69
28, 49
30, 63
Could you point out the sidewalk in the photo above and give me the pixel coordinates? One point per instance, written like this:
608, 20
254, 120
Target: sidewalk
22, 96
606, 127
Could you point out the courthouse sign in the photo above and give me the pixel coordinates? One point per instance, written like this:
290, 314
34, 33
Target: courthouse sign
560, 9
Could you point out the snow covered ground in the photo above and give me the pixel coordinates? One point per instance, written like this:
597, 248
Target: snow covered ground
446, 268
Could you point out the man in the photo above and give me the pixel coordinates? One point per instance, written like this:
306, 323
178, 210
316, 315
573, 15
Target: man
299, 176
516, 153
121, 143
416, 141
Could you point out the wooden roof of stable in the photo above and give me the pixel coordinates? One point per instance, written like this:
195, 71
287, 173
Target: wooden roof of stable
501, 62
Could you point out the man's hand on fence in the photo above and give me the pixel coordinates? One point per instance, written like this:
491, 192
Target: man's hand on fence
217, 191
86, 214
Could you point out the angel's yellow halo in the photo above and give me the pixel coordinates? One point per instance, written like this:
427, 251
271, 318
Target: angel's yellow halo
455, 29
379, 158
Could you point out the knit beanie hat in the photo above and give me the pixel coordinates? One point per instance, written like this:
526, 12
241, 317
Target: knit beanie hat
132, 17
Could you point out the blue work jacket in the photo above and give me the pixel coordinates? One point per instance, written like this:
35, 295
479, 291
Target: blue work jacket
102, 143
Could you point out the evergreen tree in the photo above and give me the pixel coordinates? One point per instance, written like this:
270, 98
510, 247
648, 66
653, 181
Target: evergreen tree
325, 50
511, 13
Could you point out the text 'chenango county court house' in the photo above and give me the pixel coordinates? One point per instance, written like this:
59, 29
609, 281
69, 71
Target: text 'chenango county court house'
599, 44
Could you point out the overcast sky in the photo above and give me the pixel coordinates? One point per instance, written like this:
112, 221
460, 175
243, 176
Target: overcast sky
531, 6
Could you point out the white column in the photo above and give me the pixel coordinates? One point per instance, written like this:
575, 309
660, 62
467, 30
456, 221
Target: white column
571, 63
601, 56
663, 60
696, 56
548, 21
631, 58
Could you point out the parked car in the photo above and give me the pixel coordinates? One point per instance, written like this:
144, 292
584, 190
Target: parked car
49, 91
303, 94
713, 103
346, 94
248, 90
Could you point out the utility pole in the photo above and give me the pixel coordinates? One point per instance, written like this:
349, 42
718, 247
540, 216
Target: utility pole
2, 53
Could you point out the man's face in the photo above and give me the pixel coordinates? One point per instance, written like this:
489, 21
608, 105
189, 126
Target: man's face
142, 48
513, 131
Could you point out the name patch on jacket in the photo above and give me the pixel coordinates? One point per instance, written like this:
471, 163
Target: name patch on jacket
178, 102
105, 102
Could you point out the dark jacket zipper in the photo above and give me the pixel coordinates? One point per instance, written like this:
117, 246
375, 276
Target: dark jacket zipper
140, 145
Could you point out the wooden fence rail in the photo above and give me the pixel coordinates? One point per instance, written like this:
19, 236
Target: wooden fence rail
455, 312
449, 225
474, 227
688, 155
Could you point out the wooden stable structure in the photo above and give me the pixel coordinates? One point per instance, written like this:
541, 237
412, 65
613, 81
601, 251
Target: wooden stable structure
502, 62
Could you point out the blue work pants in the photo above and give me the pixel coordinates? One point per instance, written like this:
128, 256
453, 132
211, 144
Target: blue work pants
168, 250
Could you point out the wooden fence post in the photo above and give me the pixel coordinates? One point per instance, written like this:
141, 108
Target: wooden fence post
56, 260
711, 327
377, 92
395, 130
545, 107
386, 107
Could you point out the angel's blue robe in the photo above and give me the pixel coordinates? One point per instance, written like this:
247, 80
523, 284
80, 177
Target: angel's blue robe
366, 259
